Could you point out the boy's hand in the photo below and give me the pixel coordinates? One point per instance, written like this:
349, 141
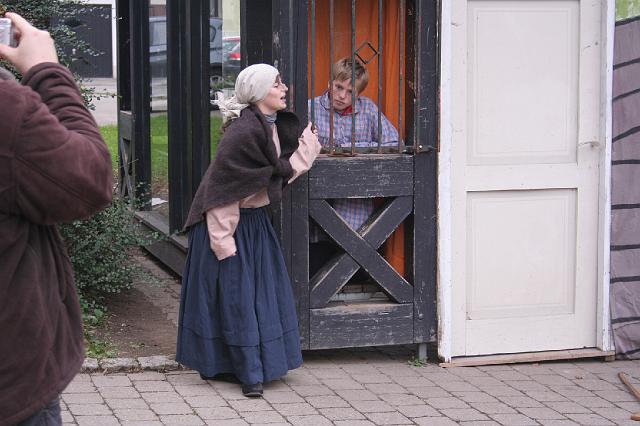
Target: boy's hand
34, 46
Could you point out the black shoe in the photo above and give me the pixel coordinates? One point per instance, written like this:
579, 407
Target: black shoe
252, 391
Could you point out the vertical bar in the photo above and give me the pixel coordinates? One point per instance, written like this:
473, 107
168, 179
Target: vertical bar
332, 148
354, 91
313, 62
379, 76
400, 75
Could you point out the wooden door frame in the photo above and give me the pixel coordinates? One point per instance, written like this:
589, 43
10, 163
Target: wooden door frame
445, 161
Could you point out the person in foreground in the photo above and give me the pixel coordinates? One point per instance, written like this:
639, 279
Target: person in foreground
54, 168
237, 312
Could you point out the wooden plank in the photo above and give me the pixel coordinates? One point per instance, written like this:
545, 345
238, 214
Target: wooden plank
471, 361
361, 251
331, 278
361, 324
361, 176
125, 124
299, 250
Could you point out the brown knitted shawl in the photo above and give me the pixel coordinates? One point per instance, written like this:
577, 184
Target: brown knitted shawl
247, 162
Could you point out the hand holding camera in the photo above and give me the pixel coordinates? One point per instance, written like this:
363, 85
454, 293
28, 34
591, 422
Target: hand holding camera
34, 46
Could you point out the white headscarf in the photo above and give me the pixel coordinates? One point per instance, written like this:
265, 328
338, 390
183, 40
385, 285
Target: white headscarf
252, 85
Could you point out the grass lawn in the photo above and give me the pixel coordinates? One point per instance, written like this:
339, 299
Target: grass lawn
159, 138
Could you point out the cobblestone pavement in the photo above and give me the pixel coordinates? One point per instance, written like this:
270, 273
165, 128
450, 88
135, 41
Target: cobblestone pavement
365, 388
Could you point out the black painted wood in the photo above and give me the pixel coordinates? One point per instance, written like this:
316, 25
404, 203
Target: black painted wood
361, 176
361, 251
365, 324
333, 276
299, 249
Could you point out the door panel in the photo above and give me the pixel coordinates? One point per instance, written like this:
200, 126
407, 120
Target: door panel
525, 175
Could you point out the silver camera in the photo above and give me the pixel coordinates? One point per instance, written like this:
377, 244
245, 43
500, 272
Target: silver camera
6, 32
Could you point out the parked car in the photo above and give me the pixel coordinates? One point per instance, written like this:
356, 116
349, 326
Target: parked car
231, 57
158, 47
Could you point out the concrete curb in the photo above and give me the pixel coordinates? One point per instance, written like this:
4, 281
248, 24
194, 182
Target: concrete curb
160, 363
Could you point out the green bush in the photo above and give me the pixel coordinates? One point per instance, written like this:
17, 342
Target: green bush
100, 252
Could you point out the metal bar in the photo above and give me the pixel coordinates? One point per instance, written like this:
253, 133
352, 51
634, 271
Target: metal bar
313, 61
400, 75
379, 75
354, 91
332, 148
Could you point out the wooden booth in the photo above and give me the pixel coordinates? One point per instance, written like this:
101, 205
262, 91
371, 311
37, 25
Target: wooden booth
380, 286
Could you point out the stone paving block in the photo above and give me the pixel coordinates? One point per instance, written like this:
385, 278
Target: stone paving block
385, 388
434, 421
357, 395
161, 397
82, 378
394, 370
82, 398
90, 365
134, 414
595, 385
490, 368
254, 417
146, 375
371, 378
423, 410
66, 416
480, 423
589, 419
566, 422
482, 381
158, 362
457, 386
298, 409
566, 407
247, 404
549, 379
205, 401
339, 384
492, 407
277, 386
141, 423
184, 378
615, 396
531, 369
474, 396
89, 409
353, 423
446, 402
418, 381
216, 413
513, 419
591, 401
509, 375
541, 413
359, 368
312, 390
199, 390
296, 378
227, 422
520, 401
97, 421
127, 403
372, 406
466, 372
392, 418
596, 366
341, 414
153, 386
629, 406
545, 396
309, 420
327, 401
400, 399
430, 392
168, 408
282, 397
178, 419
328, 373
528, 386
113, 365
614, 413
79, 387
500, 390
110, 381
465, 414
571, 391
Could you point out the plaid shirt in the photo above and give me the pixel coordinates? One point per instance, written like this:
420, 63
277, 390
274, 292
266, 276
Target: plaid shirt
354, 211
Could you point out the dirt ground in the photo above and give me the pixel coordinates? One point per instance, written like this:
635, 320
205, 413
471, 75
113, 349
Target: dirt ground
138, 322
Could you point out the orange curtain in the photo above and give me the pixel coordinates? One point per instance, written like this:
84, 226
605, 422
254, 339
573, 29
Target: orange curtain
366, 30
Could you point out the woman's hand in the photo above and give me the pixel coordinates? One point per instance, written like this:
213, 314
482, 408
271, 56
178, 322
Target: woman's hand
310, 140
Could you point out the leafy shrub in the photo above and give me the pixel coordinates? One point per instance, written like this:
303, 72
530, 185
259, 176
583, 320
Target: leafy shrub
100, 252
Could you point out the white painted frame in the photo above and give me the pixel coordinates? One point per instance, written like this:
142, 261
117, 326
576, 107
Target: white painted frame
445, 255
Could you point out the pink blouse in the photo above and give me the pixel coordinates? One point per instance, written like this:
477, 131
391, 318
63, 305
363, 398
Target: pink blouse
222, 221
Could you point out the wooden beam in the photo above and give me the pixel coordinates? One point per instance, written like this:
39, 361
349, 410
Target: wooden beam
470, 361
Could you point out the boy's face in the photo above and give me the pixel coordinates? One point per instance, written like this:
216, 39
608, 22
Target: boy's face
341, 94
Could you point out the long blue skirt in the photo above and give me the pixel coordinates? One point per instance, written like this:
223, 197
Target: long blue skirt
238, 315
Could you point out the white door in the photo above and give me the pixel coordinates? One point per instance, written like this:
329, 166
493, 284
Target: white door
525, 149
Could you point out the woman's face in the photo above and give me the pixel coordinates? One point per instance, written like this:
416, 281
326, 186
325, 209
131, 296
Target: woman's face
275, 99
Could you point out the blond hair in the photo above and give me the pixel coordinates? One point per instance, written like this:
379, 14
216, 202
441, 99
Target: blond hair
342, 72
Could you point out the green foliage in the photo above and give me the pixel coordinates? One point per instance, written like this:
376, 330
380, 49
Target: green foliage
416, 362
627, 9
99, 249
